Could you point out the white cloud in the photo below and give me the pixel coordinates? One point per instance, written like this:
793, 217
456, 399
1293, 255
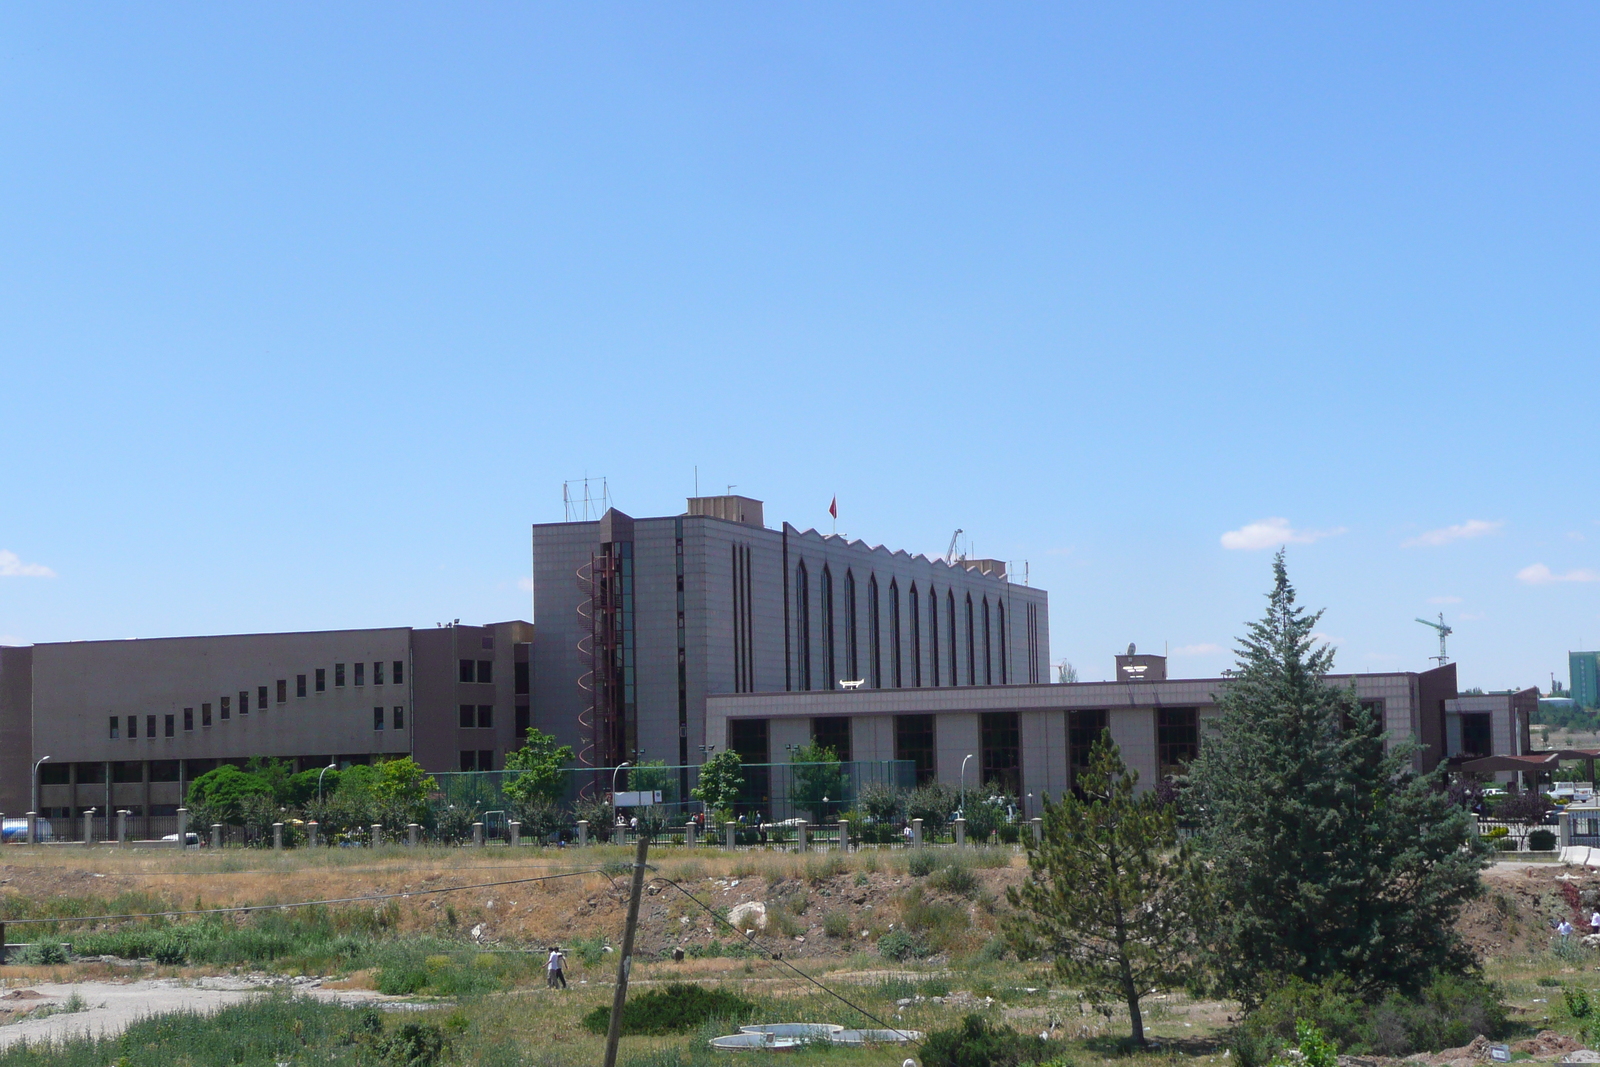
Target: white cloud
1459, 532
1269, 533
1539, 574
1204, 649
11, 566
1444, 600
525, 584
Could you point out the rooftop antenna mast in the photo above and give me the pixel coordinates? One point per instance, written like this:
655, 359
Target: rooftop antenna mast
1444, 631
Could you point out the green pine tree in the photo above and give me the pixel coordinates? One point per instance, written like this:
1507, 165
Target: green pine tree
1106, 894
1328, 854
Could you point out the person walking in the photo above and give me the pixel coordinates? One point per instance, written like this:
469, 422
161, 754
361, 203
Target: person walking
555, 968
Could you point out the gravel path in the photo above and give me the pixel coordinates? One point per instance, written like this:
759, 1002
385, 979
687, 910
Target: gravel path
111, 1006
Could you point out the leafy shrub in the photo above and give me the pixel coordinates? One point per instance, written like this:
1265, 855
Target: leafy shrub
956, 878
673, 1009
41, 953
901, 945
978, 1043
412, 1045
1496, 832
923, 862
836, 924
591, 950
1506, 844
1577, 1000
1448, 1013
1542, 840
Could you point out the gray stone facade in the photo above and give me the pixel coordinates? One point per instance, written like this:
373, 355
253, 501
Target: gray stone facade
749, 611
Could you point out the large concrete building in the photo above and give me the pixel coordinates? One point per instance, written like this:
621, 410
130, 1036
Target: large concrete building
127, 724
641, 621
1032, 738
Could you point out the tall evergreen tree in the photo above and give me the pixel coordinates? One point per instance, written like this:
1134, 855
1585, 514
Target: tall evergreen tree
1328, 854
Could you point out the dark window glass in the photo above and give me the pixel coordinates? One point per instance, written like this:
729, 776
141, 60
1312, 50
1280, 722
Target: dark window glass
322, 679
205, 714
169, 726
1000, 741
377, 672
469, 760
972, 658
915, 604
1177, 739
469, 670
485, 716
91, 774
377, 718
950, 612
749, 738
830, 671
894, 633
1000, 612
133, 726
485, 670
1477, 738
164, 770
802, 611
150, 726
874, 636
299, 685
524, 720
188, 718
521, 679
115, 732
485, 759
399, 672
399, 717
933, 638
225, 707
988, 660
469, 716
261, 697
196, 767
283, 690
852, 661
833, 731
55, 774
127, 771
914, 740
361, 674
338, 675
1083, 730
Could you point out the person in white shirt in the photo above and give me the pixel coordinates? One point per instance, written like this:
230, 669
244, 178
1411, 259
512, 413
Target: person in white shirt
1564, 929
1594, 923
555, 968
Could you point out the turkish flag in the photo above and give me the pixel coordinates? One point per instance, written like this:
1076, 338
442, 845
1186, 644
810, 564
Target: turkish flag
833, 508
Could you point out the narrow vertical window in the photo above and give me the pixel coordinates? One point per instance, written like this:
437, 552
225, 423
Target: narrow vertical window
915, 604
283, 690
831, 673
399, 672
874, 644
399, 717
188, 719
468, 718
972, 642
377, 718
852, 661
299, 685
169, 725
988, 660
114, 734
377, 672
205, 714
244, 702
322, 679
933, 637
894, 633
950, 613
261, 698
1000, 611
225, 707
361, 674
338, 675
802, 611
133, 727
150, 726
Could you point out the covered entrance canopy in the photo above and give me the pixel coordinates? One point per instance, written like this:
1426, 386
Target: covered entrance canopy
1533, 762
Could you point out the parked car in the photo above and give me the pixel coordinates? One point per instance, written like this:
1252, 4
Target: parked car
15, 831
190, 838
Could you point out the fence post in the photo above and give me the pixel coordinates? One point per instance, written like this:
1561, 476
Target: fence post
961, 831
122, 826
916, 833
516, 832
800, 835
583, 832
377, 834
844, 835
312, 828
33, 827
729, 829
412, 829
88, 827
1038, 830
183, 828
1563, 828
216, 835
477, 835
277, 837
688, 834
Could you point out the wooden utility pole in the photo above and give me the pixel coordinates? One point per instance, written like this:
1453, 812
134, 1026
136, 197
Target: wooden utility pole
620, 997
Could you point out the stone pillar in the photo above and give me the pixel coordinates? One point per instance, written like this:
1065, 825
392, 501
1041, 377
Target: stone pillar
1563, 828
844, 835
412, 830
477, 835
277, 837
800, 835
88, 826
516, 832
216, 835
961, 831
1038, 829
916, 833
688, 834
183, 827
312, 829
377, 834
583, 832
33, 827
729, 829
122, 827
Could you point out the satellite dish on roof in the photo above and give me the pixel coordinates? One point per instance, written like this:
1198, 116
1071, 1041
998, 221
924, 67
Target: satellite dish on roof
1130, 648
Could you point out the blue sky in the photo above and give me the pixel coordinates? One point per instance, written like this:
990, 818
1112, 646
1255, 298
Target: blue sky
306, 312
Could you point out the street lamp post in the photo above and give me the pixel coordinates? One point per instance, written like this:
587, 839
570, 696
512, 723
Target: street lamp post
40, 760
325, 770
614, 771
964, 784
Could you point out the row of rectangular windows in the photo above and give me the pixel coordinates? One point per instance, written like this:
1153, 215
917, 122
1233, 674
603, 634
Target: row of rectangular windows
169, 723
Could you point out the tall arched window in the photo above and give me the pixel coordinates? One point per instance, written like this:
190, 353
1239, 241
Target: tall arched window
802, 622
988, 660
1000, 610
852, 661
972, 641
916, 636
894, 632
875, 646
933, 636
831, 679
950, 604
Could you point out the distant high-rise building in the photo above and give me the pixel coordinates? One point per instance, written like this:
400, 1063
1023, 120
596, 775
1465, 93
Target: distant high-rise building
1585, 670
